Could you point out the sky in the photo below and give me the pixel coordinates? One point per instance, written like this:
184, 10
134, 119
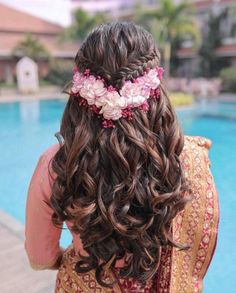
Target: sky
57, 11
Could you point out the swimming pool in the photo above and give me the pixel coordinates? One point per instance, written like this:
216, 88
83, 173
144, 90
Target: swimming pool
27, 129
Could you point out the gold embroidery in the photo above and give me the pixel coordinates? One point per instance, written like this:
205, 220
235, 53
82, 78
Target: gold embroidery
197, 224
69, 281
179, 271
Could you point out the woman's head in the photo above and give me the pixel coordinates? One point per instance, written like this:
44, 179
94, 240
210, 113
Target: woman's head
120, 187
118, 52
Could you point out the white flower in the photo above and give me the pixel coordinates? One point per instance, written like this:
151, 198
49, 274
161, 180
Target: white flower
132, 93
112, 102
111, 112
98, 88
108, 97
92, 89
151, 79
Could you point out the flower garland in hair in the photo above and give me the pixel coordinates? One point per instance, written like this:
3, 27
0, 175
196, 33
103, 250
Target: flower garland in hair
111, 104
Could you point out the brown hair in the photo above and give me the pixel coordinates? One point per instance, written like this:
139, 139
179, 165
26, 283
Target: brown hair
120, 187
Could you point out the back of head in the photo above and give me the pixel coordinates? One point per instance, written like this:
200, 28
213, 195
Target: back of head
118, 52
121, 186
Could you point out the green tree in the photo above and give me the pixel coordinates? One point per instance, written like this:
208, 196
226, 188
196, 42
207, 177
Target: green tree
31, 47
83, 23
211, 64
170, 24
232, 15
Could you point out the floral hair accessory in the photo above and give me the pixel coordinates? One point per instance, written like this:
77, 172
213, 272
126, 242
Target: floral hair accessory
111, 104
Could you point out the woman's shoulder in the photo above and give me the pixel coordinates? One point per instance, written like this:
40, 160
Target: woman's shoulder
197, 142
43, 168
195, 151
49, 152
45, 159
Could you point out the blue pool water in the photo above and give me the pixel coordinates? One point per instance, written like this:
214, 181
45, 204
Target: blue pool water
27, 129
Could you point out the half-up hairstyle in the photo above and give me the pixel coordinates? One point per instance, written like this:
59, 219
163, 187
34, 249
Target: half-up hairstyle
120, 187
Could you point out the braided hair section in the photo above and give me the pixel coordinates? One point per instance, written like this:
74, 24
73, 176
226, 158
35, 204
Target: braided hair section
120, 187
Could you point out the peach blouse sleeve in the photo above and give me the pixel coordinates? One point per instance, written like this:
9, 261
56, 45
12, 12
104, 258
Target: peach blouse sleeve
41, 236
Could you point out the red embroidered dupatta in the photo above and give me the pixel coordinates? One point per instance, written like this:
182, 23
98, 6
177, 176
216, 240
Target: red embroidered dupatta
179, 271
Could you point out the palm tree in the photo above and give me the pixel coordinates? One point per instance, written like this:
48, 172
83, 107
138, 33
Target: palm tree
232, 15
211, 64
31, 47
168, 23
83, 24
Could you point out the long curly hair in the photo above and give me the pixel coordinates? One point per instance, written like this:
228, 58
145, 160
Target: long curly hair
120, 187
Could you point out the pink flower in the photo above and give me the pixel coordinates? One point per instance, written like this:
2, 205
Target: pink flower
108, 124
115, 100
110, 98
132, 92
98, 88
87, 91
151, 79
127, 113
146, 91
122, 102
92, 89
100, 101
111, 103
78, 81
111, 112
144, 107
160, 72
75, 69
130, 89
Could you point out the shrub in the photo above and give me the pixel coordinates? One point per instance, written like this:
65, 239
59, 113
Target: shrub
228, 76
60, 73
181, 99
7, 85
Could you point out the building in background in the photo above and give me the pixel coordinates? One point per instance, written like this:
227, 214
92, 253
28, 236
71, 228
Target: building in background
14, 28
115, 8
226, 50
189, 58
57, 11
16, 25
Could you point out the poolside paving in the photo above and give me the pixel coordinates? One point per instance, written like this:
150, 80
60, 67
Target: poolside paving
16, 276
